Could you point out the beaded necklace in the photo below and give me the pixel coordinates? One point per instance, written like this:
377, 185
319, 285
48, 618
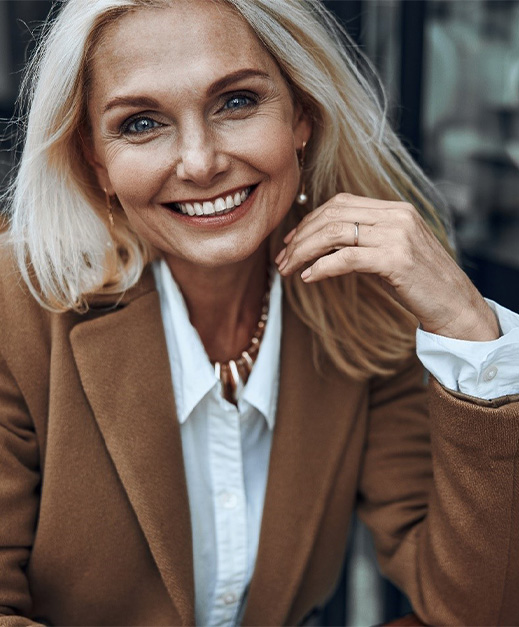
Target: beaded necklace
234, 373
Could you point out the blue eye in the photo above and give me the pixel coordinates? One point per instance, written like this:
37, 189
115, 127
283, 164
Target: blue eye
140, 125
238, 102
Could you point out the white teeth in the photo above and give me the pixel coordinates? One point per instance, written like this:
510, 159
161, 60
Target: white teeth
219, 205
208, 208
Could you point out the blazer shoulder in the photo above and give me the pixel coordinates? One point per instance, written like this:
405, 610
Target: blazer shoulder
16, 301
12, 286
26, 327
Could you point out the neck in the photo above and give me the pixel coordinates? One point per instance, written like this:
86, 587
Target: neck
224, 303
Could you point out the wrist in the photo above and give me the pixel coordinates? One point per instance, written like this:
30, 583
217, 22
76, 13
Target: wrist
472, 325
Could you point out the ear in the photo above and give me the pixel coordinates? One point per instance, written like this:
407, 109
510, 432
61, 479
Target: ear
302, 127
95, 162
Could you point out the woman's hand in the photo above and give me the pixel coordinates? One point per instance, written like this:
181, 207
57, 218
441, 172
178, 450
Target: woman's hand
395, 243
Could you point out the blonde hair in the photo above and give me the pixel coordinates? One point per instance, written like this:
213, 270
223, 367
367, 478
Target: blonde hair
58, 216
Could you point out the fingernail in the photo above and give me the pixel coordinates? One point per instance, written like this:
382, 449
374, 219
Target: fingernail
289, 236
283, 264
305, 275
280, 256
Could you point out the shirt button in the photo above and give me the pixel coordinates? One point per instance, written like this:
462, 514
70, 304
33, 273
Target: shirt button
489, 373
229, 500
229, 598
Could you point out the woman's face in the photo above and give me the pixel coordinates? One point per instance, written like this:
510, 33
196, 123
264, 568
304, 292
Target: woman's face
190, 114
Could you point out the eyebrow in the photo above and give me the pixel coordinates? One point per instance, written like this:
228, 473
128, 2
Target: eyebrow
152, 103
131, 101
234, 77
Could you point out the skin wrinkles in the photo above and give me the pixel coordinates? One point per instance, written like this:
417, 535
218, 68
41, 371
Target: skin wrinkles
171, 129
199, 150
261, 90
220, 85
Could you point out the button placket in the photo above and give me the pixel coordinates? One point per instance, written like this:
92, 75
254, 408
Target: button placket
230, 514
229, 598
228, 500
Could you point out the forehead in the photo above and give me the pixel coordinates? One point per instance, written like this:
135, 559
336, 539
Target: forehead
189, 40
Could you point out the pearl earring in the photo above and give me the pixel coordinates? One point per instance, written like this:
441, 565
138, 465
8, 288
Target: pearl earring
302, 198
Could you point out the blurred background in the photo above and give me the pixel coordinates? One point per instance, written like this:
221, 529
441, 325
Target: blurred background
451, 71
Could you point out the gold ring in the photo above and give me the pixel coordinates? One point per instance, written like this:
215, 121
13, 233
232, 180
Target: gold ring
356, 234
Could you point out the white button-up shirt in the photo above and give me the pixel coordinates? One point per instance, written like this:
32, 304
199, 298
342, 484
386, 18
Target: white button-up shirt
226, 453
227, 448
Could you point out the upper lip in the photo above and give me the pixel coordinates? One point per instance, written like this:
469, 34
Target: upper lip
229, 192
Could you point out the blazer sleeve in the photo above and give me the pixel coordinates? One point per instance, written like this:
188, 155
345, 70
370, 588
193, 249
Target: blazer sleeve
439, 490
19, 500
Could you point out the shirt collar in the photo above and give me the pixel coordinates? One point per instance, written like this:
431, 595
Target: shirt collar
192, 373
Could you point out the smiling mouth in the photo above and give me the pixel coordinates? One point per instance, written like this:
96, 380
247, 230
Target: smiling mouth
217, 207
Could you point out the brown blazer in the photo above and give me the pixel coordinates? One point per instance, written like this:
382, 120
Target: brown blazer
94, 517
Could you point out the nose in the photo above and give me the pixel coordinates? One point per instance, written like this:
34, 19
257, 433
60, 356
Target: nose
200, 157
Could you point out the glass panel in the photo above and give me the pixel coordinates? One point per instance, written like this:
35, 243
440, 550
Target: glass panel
471, 119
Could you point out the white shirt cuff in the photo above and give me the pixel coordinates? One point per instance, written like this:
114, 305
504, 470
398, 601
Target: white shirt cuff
483, 370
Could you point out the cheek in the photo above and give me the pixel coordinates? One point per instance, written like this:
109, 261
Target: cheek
283, 166
270, 149
137, 173
270, 141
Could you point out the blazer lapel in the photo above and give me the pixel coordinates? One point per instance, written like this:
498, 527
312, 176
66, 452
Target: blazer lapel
315, 415
122, 360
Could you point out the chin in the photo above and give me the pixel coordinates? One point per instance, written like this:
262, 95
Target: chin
215, 256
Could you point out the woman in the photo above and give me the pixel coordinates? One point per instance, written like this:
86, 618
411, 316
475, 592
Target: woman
153, 376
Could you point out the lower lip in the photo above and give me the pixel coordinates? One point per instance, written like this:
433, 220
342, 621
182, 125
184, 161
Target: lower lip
217, 221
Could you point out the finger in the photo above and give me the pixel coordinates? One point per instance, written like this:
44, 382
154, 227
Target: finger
389, 214
335, 213
367, 201
289, 235
280, 256
346, 200
333, 236
396, 216
344, 261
